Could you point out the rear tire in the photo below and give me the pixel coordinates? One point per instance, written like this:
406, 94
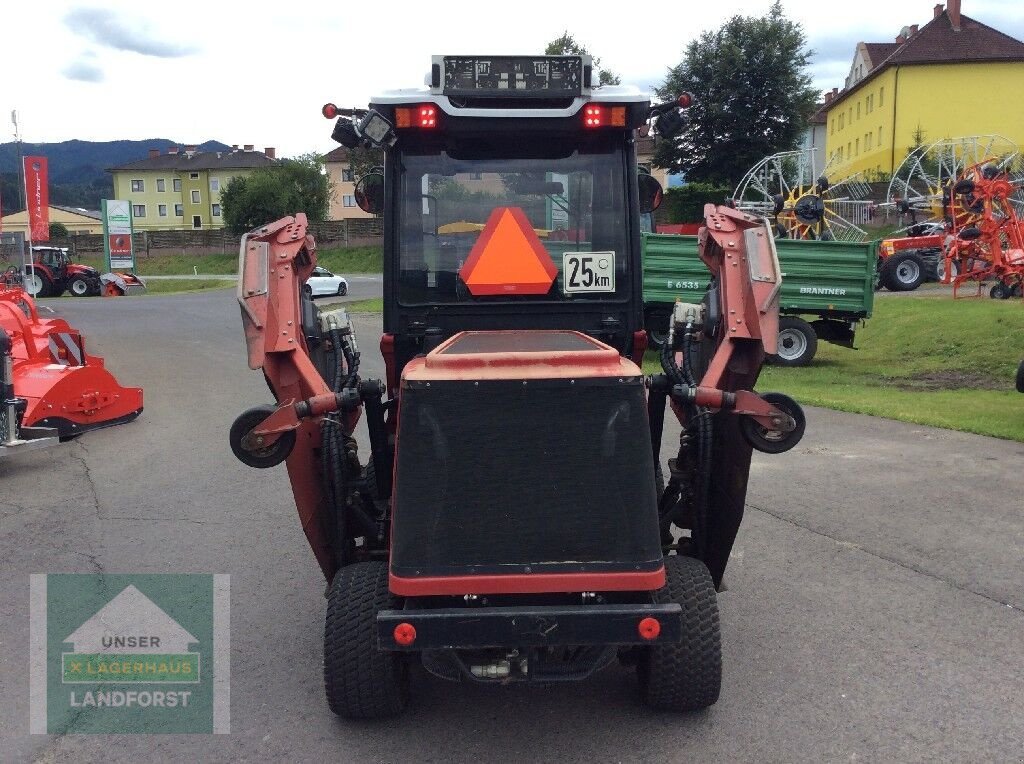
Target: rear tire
361, 680
686, 676
798, 343
38, 284
903, 272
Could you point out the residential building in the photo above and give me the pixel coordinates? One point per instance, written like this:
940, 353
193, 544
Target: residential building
343, 200
645, 157
75, 219
181, 189
815, 136
954, 76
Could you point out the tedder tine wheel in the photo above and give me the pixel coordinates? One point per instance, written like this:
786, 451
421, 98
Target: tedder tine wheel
361, 680
686, 676
261, 458
774, 441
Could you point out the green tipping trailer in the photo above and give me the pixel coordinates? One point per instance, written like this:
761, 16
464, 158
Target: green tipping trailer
827, 288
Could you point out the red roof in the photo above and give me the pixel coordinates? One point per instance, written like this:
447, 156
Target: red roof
879, 51
939, 43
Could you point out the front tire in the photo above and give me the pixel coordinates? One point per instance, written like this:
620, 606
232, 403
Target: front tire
342, 289
797, 343
361, 680
79, 287
686, 676
903, 272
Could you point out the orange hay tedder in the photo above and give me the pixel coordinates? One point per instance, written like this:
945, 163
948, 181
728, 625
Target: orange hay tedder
49, 385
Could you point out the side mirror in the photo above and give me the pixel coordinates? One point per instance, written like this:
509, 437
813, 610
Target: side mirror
369, 193
651, 193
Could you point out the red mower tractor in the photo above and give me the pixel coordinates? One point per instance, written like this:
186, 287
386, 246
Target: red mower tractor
512, 520
53, 272
55, 382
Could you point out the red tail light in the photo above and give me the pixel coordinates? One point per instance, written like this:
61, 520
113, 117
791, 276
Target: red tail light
427, 116
593, 115
600, 115
649, 628
330, 111
423, 116
404, 634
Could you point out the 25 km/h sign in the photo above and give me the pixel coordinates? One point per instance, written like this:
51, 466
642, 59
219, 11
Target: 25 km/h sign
588, 272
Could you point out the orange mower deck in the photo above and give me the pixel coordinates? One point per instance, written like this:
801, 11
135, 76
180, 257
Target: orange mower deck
65, 388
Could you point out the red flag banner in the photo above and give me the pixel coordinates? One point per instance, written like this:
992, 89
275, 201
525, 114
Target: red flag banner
37, 198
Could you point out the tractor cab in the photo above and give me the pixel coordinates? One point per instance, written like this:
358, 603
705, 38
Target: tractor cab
55, 258
511, 200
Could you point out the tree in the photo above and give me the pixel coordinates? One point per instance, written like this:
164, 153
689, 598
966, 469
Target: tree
58, 231
566, 45
272, 192
752, 97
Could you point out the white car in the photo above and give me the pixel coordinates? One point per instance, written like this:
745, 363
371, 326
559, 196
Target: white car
322, 282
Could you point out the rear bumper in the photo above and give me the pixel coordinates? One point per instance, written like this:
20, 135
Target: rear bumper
534, 626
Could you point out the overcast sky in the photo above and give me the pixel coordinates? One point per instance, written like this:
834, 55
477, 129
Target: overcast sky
192, 71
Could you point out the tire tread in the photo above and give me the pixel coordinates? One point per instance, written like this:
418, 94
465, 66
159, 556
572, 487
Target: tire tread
686, 676
361, 681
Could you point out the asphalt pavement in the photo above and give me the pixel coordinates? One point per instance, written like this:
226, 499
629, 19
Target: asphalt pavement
875, 603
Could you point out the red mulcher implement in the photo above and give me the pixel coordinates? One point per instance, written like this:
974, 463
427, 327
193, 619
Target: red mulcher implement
54, 382
512, 522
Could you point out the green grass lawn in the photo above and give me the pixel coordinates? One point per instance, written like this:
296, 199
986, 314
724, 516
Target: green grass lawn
339, 260
168, 286
934, 361
375, 305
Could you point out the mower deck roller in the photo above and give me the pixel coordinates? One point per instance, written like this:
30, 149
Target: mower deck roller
62, 386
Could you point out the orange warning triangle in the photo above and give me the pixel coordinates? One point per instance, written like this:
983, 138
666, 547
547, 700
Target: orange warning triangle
508, 257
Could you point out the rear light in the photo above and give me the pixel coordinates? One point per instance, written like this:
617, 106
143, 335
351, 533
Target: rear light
330, 111
427, 116
404, 634
423, 116
684, 100
649, 628
599, 115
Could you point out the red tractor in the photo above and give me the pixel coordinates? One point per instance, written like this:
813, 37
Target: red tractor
52, 273
512, 520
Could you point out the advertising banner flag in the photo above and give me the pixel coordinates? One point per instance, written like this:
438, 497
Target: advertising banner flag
37, 198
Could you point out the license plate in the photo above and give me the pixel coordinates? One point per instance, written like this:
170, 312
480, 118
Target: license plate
588, 272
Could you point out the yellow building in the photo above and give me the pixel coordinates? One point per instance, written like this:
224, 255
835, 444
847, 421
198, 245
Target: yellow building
954, 76
75, 219
343, 201
181, 189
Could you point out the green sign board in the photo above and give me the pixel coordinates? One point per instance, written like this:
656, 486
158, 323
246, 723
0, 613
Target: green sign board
117, 235
124, 653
